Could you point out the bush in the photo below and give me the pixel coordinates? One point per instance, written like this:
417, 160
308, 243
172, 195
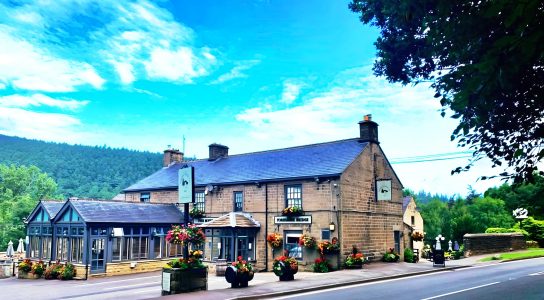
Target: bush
53, 271
532, 244
38, 268
67, 272
535, 229
321, 265
25, 265
391, 256
409, 255
506, 230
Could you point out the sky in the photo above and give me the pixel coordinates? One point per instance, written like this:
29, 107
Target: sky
251, 75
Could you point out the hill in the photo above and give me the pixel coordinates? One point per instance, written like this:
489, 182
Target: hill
82, 171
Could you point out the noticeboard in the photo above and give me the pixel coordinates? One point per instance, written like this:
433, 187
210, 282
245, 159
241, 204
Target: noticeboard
186, 184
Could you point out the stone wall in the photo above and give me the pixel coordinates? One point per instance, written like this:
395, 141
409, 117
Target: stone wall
481, 243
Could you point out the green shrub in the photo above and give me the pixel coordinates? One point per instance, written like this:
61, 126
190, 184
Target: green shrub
53, 271
409, 255
67, 272
506, 230
391, 256
321, 265
535, 229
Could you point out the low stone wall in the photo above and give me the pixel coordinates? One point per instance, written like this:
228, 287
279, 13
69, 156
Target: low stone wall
482, 243
133, 267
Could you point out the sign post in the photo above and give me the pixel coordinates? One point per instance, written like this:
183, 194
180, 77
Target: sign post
186, 195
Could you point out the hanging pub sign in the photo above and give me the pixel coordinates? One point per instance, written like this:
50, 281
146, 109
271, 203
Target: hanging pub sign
186, 184
383, 190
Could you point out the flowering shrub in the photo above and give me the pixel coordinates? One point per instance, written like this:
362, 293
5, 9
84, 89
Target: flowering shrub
417, 236
38, 268
283, 262
321, 265
307, 241
182, 263
53, 271
275, 240
25, 265
182, 235
391, 256
355, 258
196, 254
196, 213
67, 272
242, 266
292, 211
326, 247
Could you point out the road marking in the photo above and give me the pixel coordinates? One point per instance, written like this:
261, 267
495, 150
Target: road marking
463, 290
122, 280
125, 286
537, 273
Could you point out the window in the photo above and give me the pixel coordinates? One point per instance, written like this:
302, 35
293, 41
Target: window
199, 201
34, 246
145, 197
77, 250
325, 234
291, 244
116, 248
293, 195
238, 201
413, 220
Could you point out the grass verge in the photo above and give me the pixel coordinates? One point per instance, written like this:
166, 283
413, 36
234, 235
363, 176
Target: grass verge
529, 253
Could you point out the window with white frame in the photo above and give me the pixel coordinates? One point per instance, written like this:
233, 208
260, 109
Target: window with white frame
200, 201
293, 195
238, 201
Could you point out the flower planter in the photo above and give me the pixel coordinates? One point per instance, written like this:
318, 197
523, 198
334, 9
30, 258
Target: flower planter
333, 260
354, 266
286, 272
27, 275
236, 279
175, 281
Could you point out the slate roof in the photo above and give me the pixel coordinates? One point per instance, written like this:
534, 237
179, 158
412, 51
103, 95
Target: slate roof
52, 207
233, 219
405, 202
103, 211
325, 159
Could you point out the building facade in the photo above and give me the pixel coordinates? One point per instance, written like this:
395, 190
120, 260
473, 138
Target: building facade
413, 222
347, 189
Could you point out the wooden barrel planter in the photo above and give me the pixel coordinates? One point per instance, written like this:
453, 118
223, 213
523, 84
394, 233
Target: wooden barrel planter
175, 281
285, 272
237, 280
220, 267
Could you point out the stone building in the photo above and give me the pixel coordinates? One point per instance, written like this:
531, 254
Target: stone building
413, 222
346, 188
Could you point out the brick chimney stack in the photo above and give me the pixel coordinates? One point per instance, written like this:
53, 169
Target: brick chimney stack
171, 156
217, 151
368, 130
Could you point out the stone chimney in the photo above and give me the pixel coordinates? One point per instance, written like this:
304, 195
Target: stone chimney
171, 156
368, 130
217, 151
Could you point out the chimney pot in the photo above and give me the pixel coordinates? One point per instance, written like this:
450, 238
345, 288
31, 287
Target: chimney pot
368, 130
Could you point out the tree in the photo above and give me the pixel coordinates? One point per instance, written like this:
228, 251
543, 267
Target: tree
485, 60
436, 218
527, 195
20, 190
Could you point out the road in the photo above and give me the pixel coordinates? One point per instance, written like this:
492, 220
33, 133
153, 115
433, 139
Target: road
513, 280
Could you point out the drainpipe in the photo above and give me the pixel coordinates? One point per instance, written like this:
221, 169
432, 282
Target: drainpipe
265, 226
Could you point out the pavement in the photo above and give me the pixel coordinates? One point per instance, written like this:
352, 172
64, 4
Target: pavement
267, 285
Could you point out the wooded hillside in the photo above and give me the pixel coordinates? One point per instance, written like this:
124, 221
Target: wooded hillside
81, 171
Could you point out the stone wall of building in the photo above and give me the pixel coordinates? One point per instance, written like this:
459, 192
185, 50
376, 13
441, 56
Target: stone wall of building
481, 243
365, 222
417, 225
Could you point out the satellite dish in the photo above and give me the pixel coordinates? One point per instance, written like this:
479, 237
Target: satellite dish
209, 189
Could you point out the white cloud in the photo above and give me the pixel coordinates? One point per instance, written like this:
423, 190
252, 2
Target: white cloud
24, 66
40, 100
180, 65
291, 90
236, 71
43, 126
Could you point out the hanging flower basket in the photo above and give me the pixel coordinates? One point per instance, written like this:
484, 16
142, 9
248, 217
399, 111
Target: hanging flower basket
417, 236
292, 211
275, 240
196, 213
307, 241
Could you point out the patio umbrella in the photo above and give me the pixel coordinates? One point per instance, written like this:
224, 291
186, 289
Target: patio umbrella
21, 246
9, 252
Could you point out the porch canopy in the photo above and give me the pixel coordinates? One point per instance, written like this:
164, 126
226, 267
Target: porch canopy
230, 236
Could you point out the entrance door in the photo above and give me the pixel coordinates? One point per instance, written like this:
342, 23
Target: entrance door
242, 248
397, 240
98, 255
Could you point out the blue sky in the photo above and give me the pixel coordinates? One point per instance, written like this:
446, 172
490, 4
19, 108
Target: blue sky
253, 75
